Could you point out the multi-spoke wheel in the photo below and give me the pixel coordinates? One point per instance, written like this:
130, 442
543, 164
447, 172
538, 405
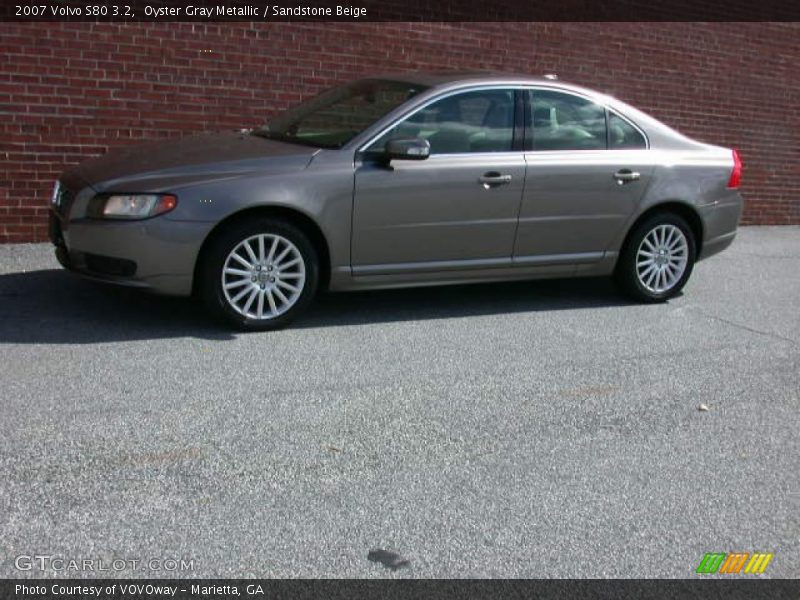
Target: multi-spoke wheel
263, 276
260, 274
657, 259
662, 258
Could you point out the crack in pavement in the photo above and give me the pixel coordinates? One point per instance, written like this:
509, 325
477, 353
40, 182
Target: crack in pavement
746, 327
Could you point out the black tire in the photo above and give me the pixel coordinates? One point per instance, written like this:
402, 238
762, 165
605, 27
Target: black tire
626, 274
210, 273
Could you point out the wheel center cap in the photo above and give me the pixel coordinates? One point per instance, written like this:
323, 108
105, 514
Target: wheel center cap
262, 277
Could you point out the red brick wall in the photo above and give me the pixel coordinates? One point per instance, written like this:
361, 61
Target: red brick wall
70, 91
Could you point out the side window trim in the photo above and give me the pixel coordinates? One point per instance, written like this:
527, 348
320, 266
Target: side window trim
527, 120
518, 112
518, 135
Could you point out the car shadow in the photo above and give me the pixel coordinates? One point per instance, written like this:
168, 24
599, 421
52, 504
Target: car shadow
55, 307
454, 301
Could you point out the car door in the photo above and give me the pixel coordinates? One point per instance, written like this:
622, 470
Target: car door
587, 169
456, 209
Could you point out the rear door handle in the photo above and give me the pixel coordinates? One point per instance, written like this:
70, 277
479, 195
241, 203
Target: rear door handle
626, 176
493, 178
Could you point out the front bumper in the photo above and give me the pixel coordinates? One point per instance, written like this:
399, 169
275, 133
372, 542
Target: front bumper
155, 254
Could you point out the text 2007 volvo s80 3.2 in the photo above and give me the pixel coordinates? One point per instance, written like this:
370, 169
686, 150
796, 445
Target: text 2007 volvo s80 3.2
403, 180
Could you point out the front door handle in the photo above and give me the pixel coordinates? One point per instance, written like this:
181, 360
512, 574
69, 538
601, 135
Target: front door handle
493, 178
626, 176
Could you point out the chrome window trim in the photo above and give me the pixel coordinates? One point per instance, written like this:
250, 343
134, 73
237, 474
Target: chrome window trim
504, 153
515, 87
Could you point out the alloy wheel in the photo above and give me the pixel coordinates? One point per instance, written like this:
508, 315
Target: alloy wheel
662, 258
263, 276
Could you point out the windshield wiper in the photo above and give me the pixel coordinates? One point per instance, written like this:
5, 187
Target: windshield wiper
289, 139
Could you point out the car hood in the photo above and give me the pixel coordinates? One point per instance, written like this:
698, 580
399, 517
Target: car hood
174, 163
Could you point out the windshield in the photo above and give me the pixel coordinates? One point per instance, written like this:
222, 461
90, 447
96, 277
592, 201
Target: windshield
338, 115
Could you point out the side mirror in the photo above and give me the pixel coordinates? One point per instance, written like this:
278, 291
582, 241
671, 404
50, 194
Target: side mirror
408, 149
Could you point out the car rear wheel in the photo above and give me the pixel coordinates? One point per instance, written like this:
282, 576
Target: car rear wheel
657, 259
259, 275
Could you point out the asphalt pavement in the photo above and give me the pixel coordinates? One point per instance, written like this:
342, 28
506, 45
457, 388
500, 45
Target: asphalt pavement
535, 429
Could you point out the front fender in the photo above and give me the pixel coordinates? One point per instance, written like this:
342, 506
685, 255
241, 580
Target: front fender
323, 195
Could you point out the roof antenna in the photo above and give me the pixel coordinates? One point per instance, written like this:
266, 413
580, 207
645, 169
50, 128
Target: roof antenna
551, 76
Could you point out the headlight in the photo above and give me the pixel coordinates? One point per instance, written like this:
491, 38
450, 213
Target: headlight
56, 195
131, 206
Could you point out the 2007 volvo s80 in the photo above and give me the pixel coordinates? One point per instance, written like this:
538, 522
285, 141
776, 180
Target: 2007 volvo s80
415, 179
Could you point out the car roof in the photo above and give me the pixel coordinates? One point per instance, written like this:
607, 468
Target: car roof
442, 78
446, 80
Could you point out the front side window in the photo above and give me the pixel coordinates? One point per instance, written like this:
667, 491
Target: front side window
566, 122
340, 114
478, 121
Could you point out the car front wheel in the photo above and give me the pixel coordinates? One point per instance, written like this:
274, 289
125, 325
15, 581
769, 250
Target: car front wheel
259, 275
657, 259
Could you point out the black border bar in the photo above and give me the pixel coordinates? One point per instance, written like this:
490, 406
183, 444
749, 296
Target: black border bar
735, 588
399, 10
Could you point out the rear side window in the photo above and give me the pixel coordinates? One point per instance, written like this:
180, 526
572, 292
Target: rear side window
563, 121
622, 135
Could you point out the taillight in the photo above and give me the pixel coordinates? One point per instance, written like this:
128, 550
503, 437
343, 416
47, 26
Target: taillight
736, 174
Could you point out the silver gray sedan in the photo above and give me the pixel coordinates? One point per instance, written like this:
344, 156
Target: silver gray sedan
403, 180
